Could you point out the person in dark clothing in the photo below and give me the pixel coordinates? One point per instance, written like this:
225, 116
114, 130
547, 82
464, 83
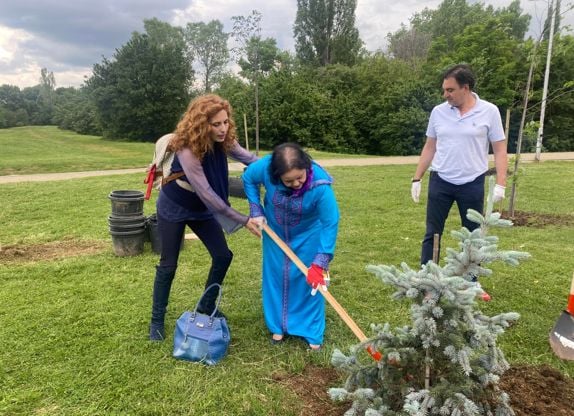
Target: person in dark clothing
203, 139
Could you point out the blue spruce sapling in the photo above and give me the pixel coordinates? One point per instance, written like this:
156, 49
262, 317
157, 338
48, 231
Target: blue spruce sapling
447, 362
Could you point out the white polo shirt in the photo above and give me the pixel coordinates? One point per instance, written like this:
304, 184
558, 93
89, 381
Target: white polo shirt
462, 141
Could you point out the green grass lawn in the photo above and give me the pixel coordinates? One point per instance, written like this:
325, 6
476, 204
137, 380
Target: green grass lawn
74, 328
46, 149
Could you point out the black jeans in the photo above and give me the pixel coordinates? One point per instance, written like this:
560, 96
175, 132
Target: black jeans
441, 196
211, 235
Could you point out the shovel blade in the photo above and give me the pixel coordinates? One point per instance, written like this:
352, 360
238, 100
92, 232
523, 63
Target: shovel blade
562, 337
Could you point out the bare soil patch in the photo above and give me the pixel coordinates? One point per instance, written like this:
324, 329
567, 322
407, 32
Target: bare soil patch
539, 390
54, 250
533, 390
538, 220
311, 387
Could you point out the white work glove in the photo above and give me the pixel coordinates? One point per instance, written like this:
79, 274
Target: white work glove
416, 190
498, 194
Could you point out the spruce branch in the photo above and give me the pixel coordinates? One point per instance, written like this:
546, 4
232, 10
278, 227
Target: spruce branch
446, 362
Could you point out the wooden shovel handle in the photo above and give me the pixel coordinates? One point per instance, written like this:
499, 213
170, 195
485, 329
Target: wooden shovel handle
338, 308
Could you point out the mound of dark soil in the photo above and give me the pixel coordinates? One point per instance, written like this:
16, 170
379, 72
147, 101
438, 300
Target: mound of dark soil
533, 391
537, 219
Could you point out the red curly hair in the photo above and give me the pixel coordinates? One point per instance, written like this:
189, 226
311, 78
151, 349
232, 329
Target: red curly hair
193, 130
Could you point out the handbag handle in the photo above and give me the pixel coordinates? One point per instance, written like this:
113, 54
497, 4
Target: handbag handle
217, 301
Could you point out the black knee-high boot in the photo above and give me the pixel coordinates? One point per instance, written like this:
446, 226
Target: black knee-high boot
161, 288
219, 266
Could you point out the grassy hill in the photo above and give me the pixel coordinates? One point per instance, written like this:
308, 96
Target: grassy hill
47, 149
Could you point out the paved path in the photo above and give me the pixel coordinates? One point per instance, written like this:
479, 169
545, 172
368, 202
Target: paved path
238, 167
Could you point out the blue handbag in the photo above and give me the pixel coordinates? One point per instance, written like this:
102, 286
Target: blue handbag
199, 337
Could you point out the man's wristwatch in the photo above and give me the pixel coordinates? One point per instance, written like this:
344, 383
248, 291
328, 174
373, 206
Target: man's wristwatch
415, 180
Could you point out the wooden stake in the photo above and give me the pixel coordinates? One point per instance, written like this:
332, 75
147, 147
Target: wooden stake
245, 128
435, 254
435, 248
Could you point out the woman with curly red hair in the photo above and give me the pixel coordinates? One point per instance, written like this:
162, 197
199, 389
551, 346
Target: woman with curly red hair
196, 194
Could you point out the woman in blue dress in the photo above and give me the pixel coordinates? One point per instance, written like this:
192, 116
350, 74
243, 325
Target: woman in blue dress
299, 205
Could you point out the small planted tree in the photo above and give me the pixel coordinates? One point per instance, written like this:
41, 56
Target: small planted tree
447, 361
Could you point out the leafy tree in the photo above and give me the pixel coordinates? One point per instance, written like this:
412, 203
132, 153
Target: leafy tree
33, 105
394, 118
13, 111
553, 12
11, 97
239, 90
207, 46
296, 108
514, 19
435, 28
325, 32
490, 41
141, 93
559, 123
46, 97
255, 55
452, 17
409, 43
494, 57
3, 117
246, 28
439, 28
261, 56
240, 95
47, 80
74, 110
12, 107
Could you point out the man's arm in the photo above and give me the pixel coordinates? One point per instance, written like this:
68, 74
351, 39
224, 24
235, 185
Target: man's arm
427, 155
500, 161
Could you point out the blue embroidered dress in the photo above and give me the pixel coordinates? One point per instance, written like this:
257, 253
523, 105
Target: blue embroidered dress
307, 222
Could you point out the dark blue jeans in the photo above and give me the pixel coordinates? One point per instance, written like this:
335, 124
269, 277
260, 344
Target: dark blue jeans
211, 235
441, 196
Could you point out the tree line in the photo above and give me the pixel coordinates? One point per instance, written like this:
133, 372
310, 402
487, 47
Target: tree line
331, 94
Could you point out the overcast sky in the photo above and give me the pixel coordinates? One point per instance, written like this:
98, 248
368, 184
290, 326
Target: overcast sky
69, 36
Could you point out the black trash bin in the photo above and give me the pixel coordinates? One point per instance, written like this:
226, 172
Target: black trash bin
126, 203
127, 224
153, 232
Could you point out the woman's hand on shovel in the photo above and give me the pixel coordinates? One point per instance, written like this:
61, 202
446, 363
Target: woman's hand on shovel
254, 226
260, 221
315, 278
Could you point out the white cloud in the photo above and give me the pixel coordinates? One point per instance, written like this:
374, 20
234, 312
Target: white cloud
375, 19
10, 40
277, 17
17, 68
68, 38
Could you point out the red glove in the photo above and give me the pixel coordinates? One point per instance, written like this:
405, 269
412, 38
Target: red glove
315, 276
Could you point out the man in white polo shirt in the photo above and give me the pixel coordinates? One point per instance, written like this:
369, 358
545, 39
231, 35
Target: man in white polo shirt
458, 136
